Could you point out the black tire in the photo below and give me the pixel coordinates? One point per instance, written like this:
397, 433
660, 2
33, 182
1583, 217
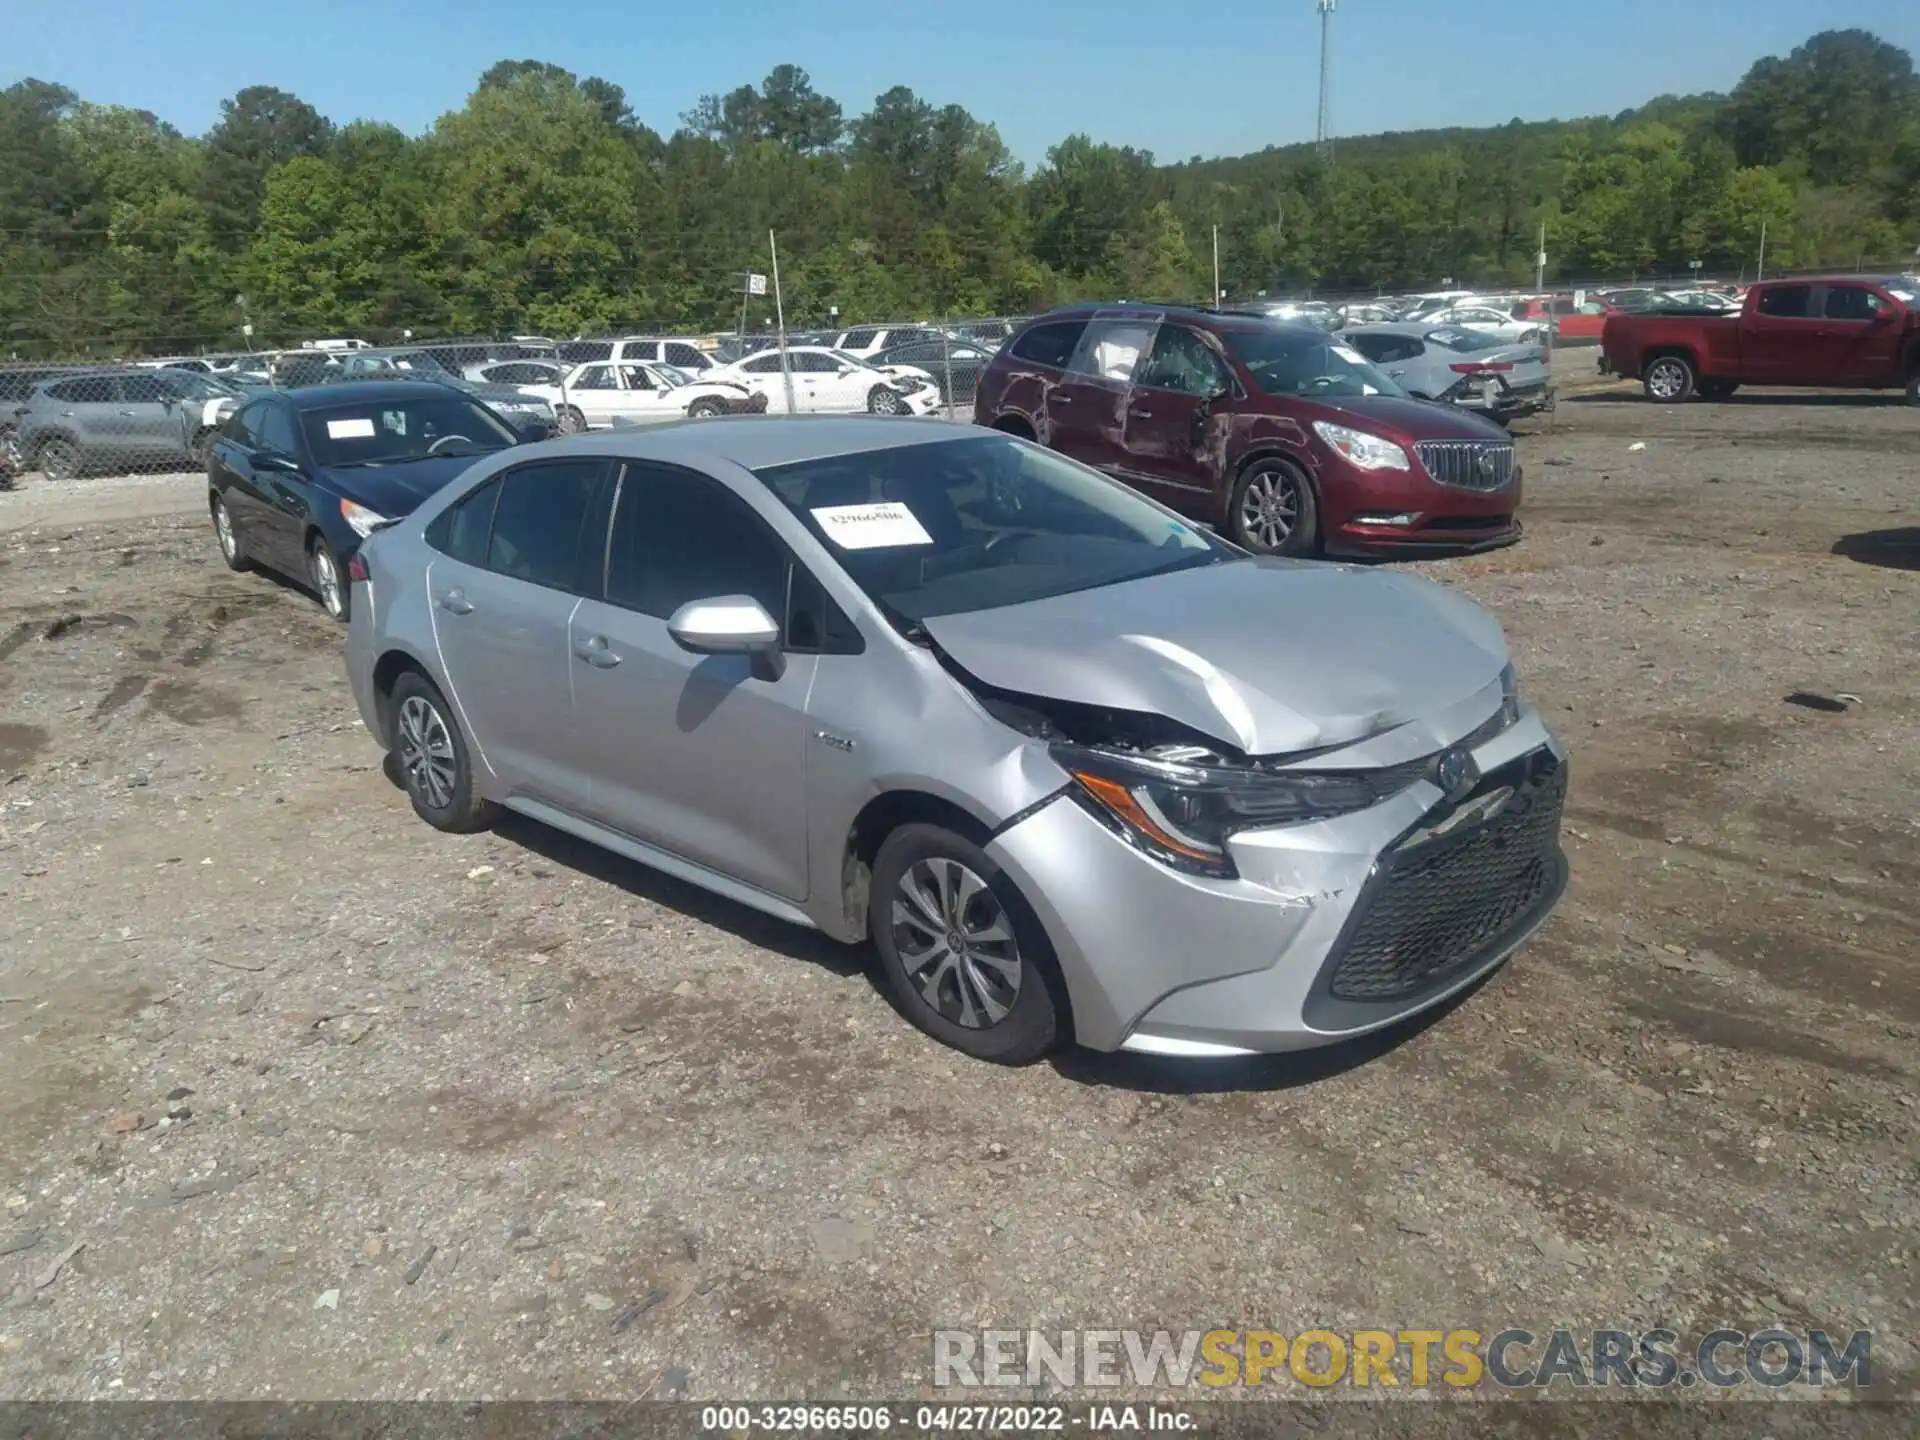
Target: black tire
462, 811
568, 420
1717, 389
233, 549
335, 598
1031, 1023
1259, 525
885, 400
58, 459
706, 409
1668, 379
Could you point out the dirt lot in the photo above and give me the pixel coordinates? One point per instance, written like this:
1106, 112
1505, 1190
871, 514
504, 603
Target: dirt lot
342, 1107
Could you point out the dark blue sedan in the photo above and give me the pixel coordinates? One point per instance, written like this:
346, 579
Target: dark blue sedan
298, 478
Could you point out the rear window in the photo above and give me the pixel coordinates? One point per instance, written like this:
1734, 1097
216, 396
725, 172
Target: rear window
578, 352
860, 338
1052, 344
1458, 337
1787, 300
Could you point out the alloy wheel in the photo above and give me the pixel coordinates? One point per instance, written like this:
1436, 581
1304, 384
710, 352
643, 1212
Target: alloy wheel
1270, 508
1666, 379
326, 579
223, 527
956, 942
426, 753
887, 401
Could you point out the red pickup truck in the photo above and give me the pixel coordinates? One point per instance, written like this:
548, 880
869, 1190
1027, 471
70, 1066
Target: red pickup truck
1845, 331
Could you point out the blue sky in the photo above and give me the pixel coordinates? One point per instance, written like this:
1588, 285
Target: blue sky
1178, 77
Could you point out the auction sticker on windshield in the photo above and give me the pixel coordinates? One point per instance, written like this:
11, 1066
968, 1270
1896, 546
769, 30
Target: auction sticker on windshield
871, 527
359, 428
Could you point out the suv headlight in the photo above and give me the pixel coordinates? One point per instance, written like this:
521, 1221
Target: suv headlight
362, 521
1359, 449
1182, 814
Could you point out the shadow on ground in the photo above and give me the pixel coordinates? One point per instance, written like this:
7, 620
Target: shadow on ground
1897, 549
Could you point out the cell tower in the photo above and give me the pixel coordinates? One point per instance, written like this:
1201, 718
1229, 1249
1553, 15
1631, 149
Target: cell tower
1323, 133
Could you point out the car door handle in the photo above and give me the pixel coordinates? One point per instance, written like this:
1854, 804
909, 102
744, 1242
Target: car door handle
456, 602
594, 651
1396, 374
1057, 397
130, 413
1140, 412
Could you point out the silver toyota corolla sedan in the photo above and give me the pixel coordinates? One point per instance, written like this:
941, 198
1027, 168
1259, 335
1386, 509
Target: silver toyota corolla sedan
1078, 768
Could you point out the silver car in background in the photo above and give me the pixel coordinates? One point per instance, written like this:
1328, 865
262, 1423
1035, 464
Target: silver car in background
1468, 368
1078, 768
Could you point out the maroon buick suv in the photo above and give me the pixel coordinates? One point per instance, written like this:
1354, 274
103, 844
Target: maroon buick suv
1280, 435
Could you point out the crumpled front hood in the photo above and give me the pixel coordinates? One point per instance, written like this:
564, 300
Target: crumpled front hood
1272, 657
395, 490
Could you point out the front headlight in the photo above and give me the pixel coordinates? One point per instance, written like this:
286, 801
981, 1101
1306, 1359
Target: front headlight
362, 521
907, 384
1183, 813
1359, 449
1509, 697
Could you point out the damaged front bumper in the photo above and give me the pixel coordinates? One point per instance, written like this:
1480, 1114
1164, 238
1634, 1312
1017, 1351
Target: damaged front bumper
1331, 929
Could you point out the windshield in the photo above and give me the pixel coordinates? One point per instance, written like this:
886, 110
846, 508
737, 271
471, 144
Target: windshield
1458, 337
1905, 289
854, 360
193, 385
671, 376
960, 525
1298, 362
390, 432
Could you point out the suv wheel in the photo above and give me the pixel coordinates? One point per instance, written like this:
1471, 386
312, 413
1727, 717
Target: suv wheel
59, 459
1272, 509
962, 954
431, 758
1668, 379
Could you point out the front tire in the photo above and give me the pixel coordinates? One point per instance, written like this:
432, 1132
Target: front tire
964, 957
1668, 379
329, 581
431, 756
706, 409
568, 420
1272, 510
885, 400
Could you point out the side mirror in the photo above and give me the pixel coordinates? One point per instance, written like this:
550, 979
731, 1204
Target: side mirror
730, 625
845, 370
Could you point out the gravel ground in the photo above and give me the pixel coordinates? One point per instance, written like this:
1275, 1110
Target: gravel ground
342, 1107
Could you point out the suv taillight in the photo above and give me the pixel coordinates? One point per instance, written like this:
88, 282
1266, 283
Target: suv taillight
1486, 367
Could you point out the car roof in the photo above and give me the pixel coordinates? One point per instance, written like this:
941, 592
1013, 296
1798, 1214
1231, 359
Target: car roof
756, 442
1418, 328
1229, 319
347, 392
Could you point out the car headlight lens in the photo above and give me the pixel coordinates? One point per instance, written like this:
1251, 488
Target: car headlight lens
362, 521
1509, 697
1359, 449
1182, 813
907, 384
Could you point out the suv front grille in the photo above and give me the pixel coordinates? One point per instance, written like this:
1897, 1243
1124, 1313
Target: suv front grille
1483, 465
1433, 908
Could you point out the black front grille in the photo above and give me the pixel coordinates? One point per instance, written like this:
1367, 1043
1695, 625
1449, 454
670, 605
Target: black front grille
1483, 465
1436, 905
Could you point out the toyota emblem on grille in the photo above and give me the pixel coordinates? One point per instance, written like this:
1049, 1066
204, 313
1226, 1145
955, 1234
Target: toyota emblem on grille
1486, 464
1455, 774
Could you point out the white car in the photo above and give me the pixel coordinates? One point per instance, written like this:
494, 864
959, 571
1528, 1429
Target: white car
831, 382
599, 394
865, 340
1487, 320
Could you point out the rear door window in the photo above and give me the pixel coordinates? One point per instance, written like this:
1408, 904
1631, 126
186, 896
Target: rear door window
859, 339
1786, 301
1051, 344
543, 525
686, 356
1111, 350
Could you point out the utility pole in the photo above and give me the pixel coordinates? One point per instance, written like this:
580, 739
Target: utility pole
780, 316
1540, 260
1216, 267
1761, 273
1323, 132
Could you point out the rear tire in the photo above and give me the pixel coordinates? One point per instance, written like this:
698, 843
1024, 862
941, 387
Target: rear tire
992, 998
1272, 510
568, 420
1668, 379
431, 756
58, 459
232, 549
